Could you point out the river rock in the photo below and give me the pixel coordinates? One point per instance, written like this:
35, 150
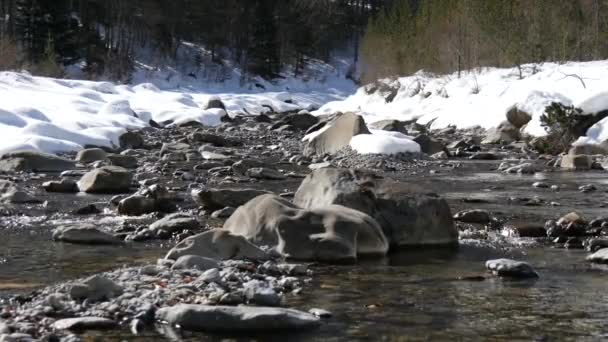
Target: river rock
235, 318
265, 173
429, 145
175, 222
96, 288
511, 269
84, 323
576, 162
219, 245
214, 199
31, 161
89, 155
215, 102
505, 133
260, 293
338, 134
84, 234
175, 147
62, 186
525, 168
131, 140
12, 193
187, 262
525, 230
329, 233
390, 125
600, 257
518, 118
409, 216
136, 205
299, 121
106, 180
128, 162
473, 216
214, 139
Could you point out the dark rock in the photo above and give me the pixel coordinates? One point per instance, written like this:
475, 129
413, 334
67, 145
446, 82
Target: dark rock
90, 155
30, 161
219, 245
213, 199
338, 135
131, 140
62, 186
84, 234
511, 269
473, 216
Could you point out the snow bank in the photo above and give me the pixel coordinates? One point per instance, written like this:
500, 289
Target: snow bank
482, 98
57, 115
383, 142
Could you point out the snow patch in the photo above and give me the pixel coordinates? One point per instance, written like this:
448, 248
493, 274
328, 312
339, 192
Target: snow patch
381, 143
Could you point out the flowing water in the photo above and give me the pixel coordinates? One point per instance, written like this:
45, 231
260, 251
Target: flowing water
409, 295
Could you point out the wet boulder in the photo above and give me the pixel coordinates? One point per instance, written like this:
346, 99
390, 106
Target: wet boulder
336, 134
507, 268
214, 199
84, 234
147, 200
236, 318
409, 216
265, 173
219, 245
525, 230
330, 233
166, 226
599, 257
89, 155
473, 216
30, 161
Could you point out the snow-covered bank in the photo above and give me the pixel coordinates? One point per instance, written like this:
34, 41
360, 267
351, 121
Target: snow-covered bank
58, 115
482, 98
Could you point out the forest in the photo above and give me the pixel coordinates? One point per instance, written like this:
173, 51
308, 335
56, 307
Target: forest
451, 36
259, 36
264, 37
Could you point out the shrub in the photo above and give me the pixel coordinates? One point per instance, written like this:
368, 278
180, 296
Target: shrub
562, 125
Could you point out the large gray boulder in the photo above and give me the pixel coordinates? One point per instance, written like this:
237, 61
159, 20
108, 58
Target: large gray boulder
517, 117
429, 145
31, 161
106, 180
391, 125
408, 215
89, 155
219, 245
214, 199
235, 318
330, 233
505, 133
84, 234
338, 134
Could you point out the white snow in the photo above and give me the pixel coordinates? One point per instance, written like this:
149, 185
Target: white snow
483, 97
383, 142
60, 115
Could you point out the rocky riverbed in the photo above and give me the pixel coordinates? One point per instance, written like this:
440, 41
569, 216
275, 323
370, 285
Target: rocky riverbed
249, 228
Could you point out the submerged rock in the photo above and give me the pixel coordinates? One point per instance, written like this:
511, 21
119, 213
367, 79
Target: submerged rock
84, 323
511, 269
600, 257
219, 245
473, 216
84, 234
235, 319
